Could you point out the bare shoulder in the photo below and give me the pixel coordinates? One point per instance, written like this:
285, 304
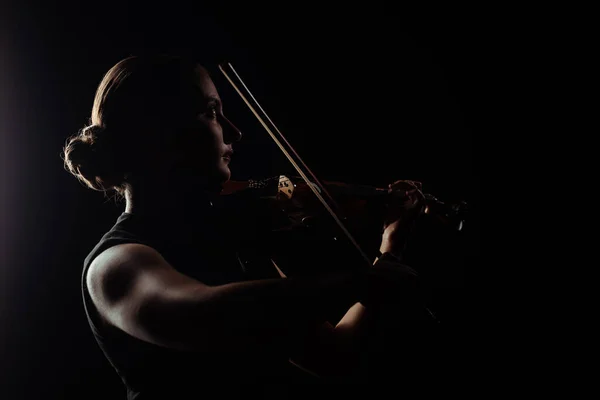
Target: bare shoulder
129, 281
114, 272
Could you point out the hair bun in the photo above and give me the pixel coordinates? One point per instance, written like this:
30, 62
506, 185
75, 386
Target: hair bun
79, 152
84, 158
93, 131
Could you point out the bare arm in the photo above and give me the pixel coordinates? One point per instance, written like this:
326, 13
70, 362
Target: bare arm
136, 290
333, 351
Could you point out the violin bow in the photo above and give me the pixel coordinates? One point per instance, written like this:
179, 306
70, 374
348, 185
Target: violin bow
245, 94
288, 150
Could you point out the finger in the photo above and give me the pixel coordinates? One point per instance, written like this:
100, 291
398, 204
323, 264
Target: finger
419, 201
405, 184
417, 185
416, 201
421, 196
403, 194
418, 188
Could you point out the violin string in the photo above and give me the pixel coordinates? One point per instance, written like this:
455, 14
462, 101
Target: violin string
296, 166
316, 180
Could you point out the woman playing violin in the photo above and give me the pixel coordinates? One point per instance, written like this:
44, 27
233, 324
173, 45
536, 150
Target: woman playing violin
170, 302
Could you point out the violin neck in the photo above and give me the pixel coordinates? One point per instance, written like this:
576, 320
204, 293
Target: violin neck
230, 187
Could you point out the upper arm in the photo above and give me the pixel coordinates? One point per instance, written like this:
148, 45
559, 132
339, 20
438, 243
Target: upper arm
135, 289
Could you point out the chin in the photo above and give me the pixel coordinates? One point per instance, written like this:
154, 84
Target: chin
195, 176
226, 177
223, 174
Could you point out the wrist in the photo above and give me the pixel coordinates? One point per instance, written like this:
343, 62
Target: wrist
389, 256
394, 247
395, 232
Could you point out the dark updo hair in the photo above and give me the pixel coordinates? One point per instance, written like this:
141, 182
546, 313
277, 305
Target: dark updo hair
141, 101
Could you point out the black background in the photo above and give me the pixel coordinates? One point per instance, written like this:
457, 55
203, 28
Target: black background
366, 94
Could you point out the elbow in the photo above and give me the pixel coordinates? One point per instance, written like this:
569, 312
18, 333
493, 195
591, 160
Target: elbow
329, 366
331, 358
181, 325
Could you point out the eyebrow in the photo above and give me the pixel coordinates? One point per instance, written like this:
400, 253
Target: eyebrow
210, 99
204, 100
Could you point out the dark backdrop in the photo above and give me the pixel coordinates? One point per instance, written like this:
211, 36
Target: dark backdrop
366, 94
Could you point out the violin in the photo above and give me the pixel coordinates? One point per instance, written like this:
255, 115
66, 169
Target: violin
356, 203
324, 212
302, 229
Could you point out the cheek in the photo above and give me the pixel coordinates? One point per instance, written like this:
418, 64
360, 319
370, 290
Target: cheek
208, 135
201, 144
203, 154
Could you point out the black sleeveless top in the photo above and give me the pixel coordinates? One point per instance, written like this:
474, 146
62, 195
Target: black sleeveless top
219, 244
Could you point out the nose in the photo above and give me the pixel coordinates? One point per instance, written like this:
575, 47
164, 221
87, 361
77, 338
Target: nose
230, 132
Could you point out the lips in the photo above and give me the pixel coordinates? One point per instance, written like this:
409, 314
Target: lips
227, 156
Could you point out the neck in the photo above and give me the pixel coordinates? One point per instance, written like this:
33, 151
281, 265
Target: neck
161, 199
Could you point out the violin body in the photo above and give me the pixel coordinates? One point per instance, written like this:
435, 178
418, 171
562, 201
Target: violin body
358, 205
302, 230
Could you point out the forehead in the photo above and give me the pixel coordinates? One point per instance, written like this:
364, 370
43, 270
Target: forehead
204, 83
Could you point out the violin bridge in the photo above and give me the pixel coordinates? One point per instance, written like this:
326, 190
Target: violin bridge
286, 188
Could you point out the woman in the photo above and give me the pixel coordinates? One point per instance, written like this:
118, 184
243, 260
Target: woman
167, 298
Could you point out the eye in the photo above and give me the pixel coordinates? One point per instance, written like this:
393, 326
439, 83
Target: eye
212, 112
